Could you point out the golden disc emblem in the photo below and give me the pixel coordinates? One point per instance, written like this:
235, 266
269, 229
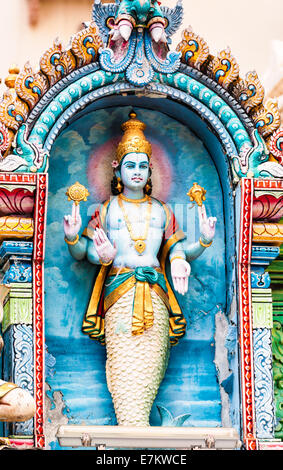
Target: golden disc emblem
77, 193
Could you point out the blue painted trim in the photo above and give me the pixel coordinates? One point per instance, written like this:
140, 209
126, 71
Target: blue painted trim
17, 248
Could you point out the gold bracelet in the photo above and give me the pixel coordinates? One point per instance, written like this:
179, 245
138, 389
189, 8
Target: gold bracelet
104, 263
204, 245
176, 257
74, 242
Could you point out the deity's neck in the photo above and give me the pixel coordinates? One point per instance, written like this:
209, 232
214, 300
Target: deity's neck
131, 194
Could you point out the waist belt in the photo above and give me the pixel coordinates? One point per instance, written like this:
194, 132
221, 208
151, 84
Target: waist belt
120, 281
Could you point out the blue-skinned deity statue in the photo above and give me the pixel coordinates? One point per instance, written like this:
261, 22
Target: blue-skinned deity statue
142, 254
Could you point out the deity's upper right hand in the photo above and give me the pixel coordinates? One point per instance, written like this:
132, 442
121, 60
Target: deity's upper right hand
72, 223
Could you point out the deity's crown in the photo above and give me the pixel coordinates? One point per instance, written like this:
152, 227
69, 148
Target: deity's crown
133, 139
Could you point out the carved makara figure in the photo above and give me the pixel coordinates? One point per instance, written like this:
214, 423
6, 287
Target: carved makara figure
136, 12
143, 255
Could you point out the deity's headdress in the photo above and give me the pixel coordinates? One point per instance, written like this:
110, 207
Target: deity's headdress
133, 139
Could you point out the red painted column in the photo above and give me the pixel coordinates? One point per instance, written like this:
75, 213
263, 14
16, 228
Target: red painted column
245, 314
40, 213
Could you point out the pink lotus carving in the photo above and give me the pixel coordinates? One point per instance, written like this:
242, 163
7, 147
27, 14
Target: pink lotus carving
19, 201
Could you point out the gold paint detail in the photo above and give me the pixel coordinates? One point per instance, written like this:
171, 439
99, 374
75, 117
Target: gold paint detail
72, 242
249, 92
197, 194
134, 201
20, 110
57, 63
39, 82
268, 232
6, 388
85, 41
133, 139
140, 244
267, 118
224, 68
193, 48
16, 227
205, 245
77, 193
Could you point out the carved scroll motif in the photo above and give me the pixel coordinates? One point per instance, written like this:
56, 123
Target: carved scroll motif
6, 139
224, 68
13, 111
275, 145
249, 92
31, 86
56, 63
86, 44
267, 118
194, 49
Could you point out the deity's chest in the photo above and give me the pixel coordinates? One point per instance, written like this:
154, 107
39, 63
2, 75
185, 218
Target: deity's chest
137, 215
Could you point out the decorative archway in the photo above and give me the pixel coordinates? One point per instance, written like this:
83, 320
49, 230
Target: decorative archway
225, 108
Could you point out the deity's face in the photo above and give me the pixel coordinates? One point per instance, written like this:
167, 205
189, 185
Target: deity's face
135, 170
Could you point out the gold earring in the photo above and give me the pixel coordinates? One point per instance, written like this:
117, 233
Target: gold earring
119, 185
148, 185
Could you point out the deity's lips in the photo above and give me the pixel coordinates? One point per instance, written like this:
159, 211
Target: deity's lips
137, 179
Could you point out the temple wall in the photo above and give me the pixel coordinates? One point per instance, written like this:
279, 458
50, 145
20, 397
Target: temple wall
248, 31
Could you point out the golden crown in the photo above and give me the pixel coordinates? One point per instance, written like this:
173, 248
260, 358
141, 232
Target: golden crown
133, 139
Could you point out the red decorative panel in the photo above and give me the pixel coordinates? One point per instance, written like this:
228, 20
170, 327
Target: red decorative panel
268, 184
18, 178
245, 311
268, 207
38, 304
17, 201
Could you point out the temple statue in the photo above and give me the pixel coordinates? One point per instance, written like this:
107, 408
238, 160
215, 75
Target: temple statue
144, 261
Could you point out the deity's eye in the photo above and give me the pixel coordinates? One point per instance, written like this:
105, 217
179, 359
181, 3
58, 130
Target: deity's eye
130, 165
144, 166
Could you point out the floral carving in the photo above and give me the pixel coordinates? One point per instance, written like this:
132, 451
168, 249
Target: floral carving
6, 139
268, 207
31, 86
249, 92
18, 201
275, 145
13, 111
224, 68
56, 63
86, 44
267, 118
194, 49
